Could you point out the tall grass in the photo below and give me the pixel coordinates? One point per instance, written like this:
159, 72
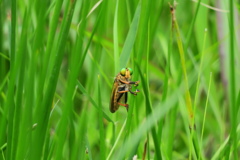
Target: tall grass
59, 59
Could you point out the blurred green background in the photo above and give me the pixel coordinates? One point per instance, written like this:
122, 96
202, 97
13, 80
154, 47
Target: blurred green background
59, 58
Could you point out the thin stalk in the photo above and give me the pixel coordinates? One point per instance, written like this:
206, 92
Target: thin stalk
204, 117
117, 140
232, 86
102, 132
197, 87
192, 138
199, 73
182, 56
13, 30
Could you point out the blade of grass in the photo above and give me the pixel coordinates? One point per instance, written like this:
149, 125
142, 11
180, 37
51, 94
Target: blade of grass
232, 86
188, 100
4, 146
18, 111
197, 88
204, 117
155, 135
117, 140
199, 73
102, 132
189, 34
79, 147
101, 71
115, 40
91, 37
143, 25
164, 96
82, 89
13, 30
4, 56
183, 63
238, 102
25, 135
128, 44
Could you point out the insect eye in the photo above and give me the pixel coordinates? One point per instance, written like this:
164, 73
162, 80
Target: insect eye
130, 70
123, 71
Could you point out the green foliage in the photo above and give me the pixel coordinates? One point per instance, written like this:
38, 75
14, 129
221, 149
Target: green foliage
58, 60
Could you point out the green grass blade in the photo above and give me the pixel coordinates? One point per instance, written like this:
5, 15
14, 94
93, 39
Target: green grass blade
13, 29
232, 91
82, 89
79, 147
91, 37
10, 106
189, 34
128, 44
238, 102
143, 25
101, 71
183, 63
205, 112
101, 125
115, 39
117, 140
